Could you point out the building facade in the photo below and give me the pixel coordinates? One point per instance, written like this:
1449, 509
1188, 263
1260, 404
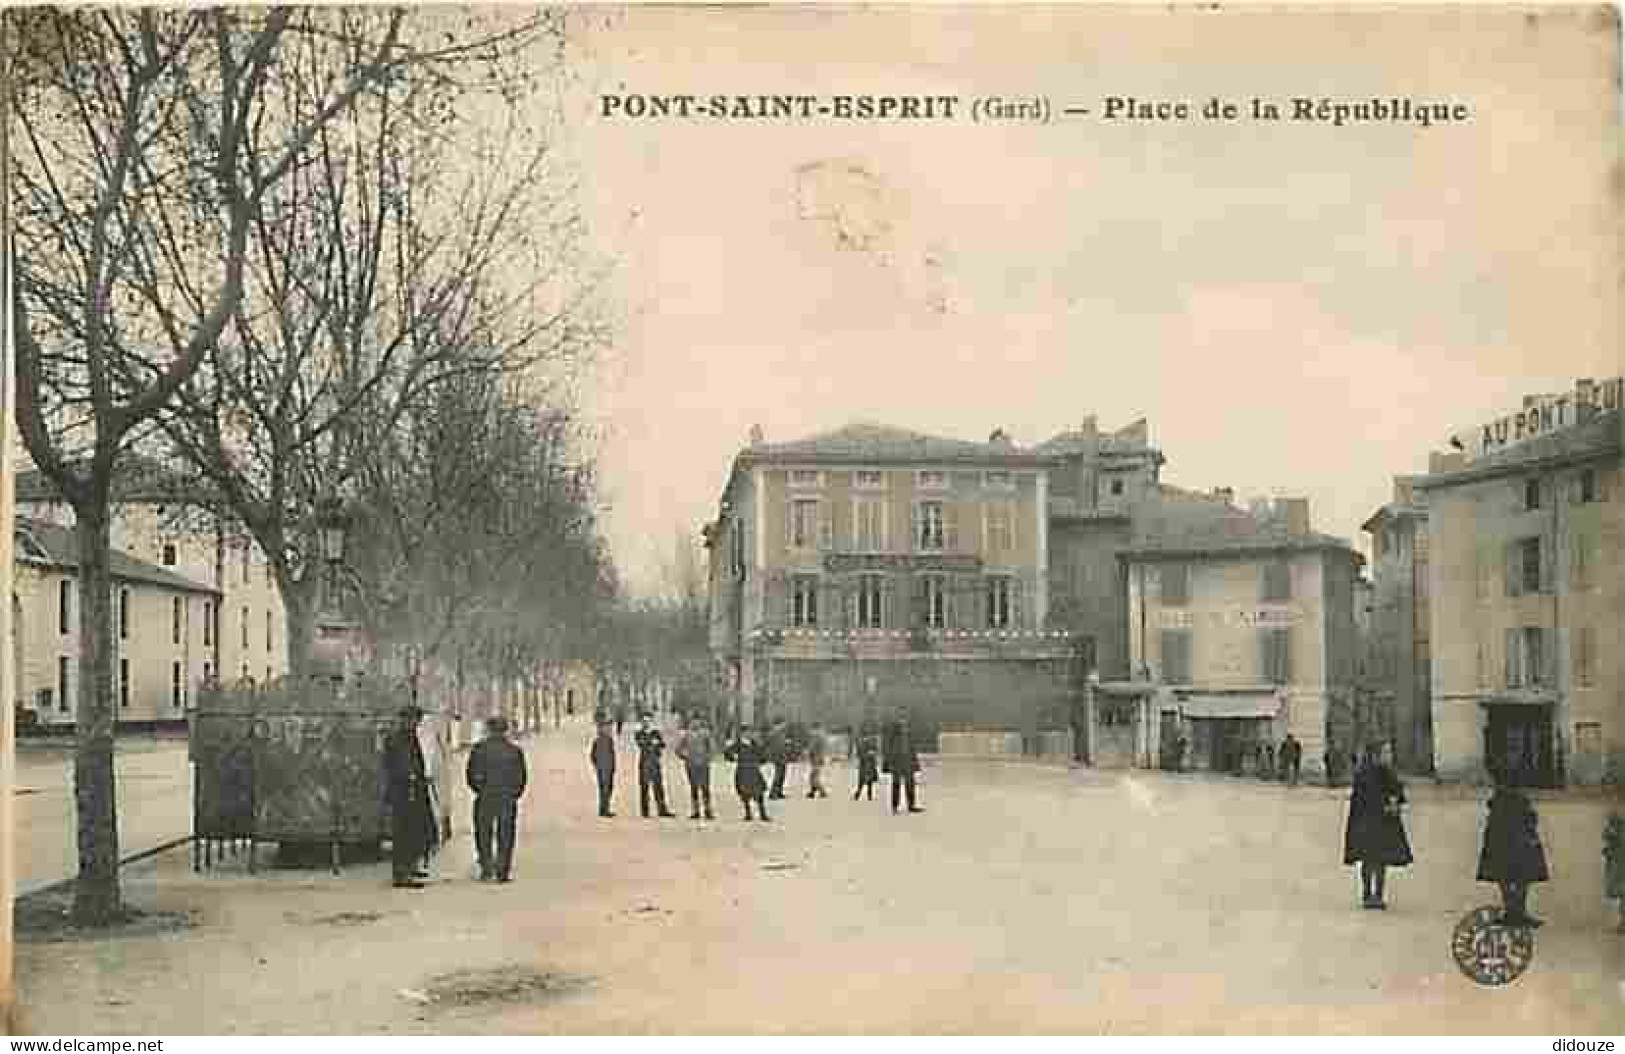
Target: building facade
1400, 659
162, 640
157, 521
871, 570
1241, 629
1527, 584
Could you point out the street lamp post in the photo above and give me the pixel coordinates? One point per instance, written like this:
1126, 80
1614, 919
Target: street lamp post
332, 631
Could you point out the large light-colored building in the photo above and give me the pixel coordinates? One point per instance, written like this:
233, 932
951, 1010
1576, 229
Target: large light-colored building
1400, 658
1241, 629
1527, 590
160, 521
871, 569
162, 637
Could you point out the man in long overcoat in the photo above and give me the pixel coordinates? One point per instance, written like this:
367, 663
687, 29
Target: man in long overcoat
902, 761
497, 776
406, 777
1375, 835
1512, 855
778, 752
603, 765
1291, 759
695, 748
651, 776
749, 784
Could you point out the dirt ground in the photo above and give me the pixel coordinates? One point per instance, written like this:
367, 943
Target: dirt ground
1026, 899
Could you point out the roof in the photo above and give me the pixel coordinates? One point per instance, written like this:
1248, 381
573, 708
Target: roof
1176, 521
1132, 439
1598, 437
865, 442
137, 478
60, 548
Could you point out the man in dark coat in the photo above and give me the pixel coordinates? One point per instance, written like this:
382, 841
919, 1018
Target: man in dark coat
1291, 759
408, 791
902, 762
651, 744
1375, 835
747, 756
497, 775
603, 764
1512, 855
778, 752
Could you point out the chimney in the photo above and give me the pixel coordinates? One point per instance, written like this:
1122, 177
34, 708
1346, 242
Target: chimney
1295, 511
1446, 463
1225, 494
1000, 437
1404, 491
1090, 428
757, 436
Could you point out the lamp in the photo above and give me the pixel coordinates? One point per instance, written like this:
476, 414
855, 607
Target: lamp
332, 524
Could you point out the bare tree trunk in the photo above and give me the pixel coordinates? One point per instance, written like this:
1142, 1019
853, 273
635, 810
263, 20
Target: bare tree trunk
299, 619
96, 900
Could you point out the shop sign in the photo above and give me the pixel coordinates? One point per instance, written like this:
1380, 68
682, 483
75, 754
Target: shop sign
1251, 617
1541, 418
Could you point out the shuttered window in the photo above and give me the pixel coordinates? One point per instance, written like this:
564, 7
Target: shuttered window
930, 527
1585, 656
1277, 581
931, 601
804, 601
1527, 567
1581, 559
1000, 602
869, 524
1275, 648
1175, 583
1176, 656
1530, 657
871, 601
802, 523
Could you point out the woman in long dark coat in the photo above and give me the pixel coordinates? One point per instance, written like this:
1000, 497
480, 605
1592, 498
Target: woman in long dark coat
749, 783
1512, 855
1375, 836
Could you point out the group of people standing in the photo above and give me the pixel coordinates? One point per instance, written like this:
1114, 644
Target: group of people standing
1511, 854
752, 751
496, 773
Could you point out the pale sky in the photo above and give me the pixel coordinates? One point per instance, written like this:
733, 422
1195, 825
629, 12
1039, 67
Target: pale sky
1297, 309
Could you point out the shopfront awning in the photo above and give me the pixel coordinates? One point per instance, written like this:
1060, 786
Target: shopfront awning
1216, 706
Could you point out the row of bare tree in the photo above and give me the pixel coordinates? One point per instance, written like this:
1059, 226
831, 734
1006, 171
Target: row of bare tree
303, 255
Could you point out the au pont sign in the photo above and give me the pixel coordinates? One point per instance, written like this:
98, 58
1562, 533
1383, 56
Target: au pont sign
1542, 417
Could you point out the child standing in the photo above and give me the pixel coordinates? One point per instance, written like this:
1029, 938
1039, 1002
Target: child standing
868, 766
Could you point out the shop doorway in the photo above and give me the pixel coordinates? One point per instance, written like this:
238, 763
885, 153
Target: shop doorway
1520, 740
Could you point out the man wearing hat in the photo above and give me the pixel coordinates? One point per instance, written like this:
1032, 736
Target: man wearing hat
408, 792
497, 776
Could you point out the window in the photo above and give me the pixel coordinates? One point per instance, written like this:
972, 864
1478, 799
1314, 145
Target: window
269, 634
169, 554
245, 634
1527, 658
869, 479
175, 604
931, 479
1001, 535
208, 623
247, 559
64, 605
933, 602
1176, 656
869, 526
1175, 583
1531, 493
804, 601
803, 523
806, 479
1587, 485
177, 690
1585, 656
998, 481
1581, 559
1277, 581
1385, 540
1000, 602
1117, 488
928, 525
208, 674
124, 614
871, 601
1276, 645
1529, 565
62, 685
124, 684
737, 536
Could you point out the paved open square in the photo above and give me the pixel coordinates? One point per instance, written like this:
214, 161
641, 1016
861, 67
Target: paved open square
1025, 899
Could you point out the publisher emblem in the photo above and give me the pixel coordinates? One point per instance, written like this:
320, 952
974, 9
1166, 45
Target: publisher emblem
1489, 951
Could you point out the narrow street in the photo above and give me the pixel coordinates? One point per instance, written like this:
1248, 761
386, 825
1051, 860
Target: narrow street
155, 804
1026, 899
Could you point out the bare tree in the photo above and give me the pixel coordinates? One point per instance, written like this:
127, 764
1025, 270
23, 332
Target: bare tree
149, 144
